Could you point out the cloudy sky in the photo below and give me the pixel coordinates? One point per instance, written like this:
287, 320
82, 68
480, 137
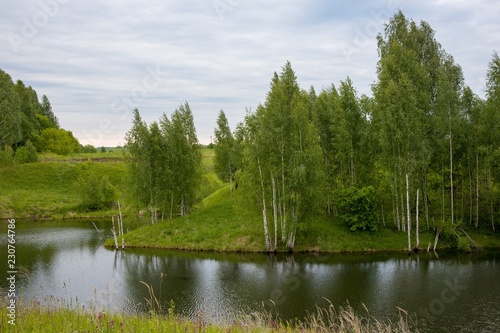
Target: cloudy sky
96, 60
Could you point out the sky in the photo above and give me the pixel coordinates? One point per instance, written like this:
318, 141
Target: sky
97, 60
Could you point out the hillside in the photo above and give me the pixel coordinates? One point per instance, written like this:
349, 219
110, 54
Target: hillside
50, 188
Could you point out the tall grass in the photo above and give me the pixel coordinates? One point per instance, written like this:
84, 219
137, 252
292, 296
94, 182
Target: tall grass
59, 318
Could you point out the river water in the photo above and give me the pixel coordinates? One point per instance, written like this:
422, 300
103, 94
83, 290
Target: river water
66, 262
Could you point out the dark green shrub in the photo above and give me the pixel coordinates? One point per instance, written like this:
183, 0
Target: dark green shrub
357, 208
89, 149
26, 153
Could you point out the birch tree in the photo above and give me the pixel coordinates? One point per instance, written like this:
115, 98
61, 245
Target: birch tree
225, 159
283, 145
491, 136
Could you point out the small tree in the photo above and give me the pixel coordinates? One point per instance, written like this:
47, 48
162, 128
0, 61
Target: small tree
225, 165
357, 208
96, 192
26, 153
89, 149
59, 141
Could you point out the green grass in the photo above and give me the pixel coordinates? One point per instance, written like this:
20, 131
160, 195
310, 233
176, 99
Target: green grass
61, 318
210, 182
49, 189
220, 224
216, 226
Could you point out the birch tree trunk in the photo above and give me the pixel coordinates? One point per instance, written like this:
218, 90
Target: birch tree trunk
492, 217
275, 213
264, 214
417, 245
477, 190
408, 212
451, 174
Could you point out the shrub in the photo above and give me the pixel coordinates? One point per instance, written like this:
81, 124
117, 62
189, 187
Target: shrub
357, 208
26, 153
89, 149
97, 193
59, 141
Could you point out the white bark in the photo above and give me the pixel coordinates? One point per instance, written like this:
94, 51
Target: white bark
275, 213
264, 214
408, 212
477, 190
417, 245
451, 175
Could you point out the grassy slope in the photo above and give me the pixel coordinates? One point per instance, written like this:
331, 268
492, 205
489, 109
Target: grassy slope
50, 188
221, 225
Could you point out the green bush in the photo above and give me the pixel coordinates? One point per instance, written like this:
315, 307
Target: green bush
357, 208
59, 141
89, 149
97, 193
26, 153
6, 156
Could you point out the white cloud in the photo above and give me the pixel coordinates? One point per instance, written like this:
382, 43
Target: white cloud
91, 56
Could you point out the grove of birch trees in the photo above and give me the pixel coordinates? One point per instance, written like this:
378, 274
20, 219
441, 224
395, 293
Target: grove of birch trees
422, 152
164, 163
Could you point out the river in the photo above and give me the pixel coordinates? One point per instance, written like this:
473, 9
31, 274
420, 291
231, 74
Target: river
66, 262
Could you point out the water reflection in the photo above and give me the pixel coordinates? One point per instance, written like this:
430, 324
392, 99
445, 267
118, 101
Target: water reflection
67, 260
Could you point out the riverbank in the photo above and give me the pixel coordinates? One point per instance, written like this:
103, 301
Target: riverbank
62, 318
220, 224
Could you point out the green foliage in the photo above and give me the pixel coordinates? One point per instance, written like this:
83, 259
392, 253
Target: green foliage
97, 193
89, 149
23, 117
6, 156
26, 153
59, 141
164, 162
10, 112
225, 159
48, 113
357, 208
463, 244
282, 158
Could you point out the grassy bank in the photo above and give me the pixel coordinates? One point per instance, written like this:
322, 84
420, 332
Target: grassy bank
222, 225
47, 319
